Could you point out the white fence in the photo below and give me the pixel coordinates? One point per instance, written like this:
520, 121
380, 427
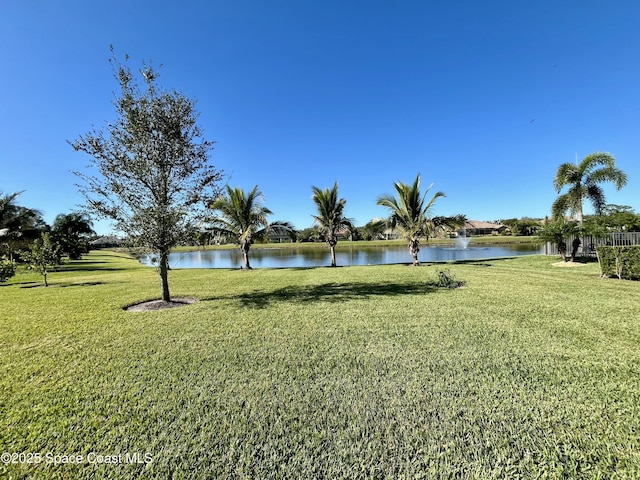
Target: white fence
589, 243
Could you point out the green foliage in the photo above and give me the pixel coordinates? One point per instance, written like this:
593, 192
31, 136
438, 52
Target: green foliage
71, 231
154, 179
620, 261
373, 230
7, 269
557, 232
243, 216
43, 256
410, 213
330, 221
523, 226
309, 234
614, 218
447, 280
19, 225
584, 181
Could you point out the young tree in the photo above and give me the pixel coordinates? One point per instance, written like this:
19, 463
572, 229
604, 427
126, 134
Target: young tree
244, 216
410, 213
330, 220
155, 178
7, 269
43, 256
584, 181
557, 232
71, 232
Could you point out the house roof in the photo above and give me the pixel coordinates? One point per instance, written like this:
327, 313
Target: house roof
480, 225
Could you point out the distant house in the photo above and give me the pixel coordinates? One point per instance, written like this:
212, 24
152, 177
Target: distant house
107, 241
279, 237
477, 227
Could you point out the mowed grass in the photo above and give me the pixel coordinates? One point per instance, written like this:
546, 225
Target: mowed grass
529, 371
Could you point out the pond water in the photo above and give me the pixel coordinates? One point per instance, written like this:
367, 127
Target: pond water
287, 257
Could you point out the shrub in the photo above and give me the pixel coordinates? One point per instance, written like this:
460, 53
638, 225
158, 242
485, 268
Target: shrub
7, 270
619, 261
447, 280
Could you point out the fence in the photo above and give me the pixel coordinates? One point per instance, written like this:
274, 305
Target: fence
588, 243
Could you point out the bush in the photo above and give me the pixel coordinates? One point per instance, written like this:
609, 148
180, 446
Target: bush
7, 270
619, 261
447, 280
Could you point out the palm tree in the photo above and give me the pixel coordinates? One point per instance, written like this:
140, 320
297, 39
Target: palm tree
18, 225
374, 229
584, 179
330, 219
244, 216
410, 213
71, 231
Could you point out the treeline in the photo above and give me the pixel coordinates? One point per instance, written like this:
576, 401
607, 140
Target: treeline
26, 238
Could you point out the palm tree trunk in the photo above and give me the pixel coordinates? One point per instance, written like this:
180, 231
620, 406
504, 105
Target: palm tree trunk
245, 252
414, 248
580, 214
333, 255
164, 275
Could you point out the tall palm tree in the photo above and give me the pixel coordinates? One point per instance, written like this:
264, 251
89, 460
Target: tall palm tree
410, 213
583, 179
330, 219
244, 216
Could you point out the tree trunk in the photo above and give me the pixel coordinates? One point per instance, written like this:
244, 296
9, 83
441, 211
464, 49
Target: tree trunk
245, 251
333, 255
580, 215
46, 284
164, 275
414, 248
574, 248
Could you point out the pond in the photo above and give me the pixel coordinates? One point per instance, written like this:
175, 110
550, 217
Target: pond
287, 257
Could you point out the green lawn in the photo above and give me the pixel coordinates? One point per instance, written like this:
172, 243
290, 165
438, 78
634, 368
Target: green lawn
529, 371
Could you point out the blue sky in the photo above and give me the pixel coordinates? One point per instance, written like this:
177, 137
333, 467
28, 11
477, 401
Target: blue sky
484, 98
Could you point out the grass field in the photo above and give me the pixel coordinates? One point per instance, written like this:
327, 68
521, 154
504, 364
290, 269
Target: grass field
529, 371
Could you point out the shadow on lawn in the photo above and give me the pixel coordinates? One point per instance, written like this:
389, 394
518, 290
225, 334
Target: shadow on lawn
328, 292
88, 266
60, 285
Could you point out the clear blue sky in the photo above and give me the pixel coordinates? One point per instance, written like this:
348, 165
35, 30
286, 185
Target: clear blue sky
484, 98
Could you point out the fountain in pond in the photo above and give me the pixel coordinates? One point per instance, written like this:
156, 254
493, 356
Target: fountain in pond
462, 241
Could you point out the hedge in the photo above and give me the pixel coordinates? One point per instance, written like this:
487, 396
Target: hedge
620, 261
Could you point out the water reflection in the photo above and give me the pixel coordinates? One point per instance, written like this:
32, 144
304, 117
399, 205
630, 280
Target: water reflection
360, 255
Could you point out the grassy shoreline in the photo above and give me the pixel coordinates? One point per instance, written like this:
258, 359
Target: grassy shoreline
529, 371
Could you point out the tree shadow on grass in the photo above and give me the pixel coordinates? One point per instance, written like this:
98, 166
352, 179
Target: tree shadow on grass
92, 266
328, 292
61, 285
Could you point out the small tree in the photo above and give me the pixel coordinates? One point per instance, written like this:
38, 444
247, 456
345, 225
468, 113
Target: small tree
155, 180
557, 232
43, 256
330, 219
244, 217
7, 269
410, 213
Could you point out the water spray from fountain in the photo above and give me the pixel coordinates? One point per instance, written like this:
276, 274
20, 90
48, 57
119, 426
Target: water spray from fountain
462, 241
